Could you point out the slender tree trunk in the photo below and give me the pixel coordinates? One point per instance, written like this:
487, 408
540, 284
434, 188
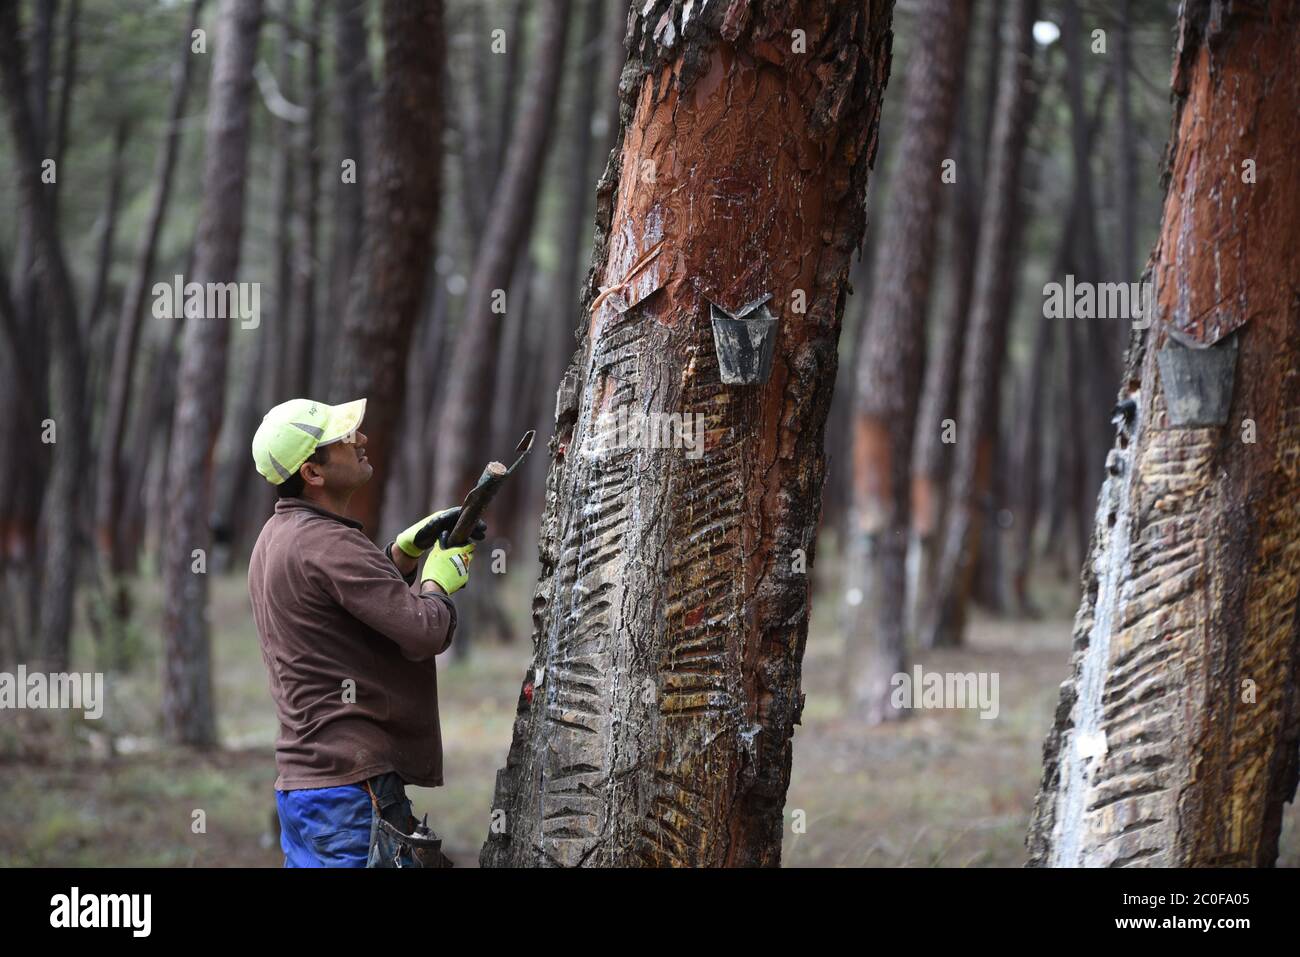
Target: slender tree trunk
188, 715
1069, 520
63, 119
515, 43
477, 173
108, 232
1075, 460
108, 484
672, 612
33, 478
932, 445
578, 189
466, 414
280, 352
558, 343
890, 361
990, 574
68, 392
305, 326
352, 73
152, 430
1125, 167
609, 72
1102, 338
402, 196
433, 356
410, 495
288, 375
1031, 428
1026, 465
982, 363
19, 398
93, 332
1175, 741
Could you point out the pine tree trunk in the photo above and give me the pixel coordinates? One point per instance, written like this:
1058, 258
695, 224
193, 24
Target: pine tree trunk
1126, 152
287, 375
107, 238
578, 188
402, 196
68, 411
672, 610
558, 341
1175, 741
890, 362
109, 479
932, 449
239, 491
36, 457
310, 344
466, 414
477, 174
188, 715
352, 75
986, 342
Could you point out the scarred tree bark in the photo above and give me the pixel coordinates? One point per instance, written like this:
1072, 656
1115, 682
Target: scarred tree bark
402, 195
986, 342
188, 716
1175, 741
890, 360
672, 610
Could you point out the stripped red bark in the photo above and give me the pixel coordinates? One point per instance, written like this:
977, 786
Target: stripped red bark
672, 612
1175, 740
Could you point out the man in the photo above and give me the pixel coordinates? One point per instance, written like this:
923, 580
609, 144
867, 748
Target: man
349, 645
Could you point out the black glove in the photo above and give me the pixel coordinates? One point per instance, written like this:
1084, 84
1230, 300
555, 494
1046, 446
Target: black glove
422, 535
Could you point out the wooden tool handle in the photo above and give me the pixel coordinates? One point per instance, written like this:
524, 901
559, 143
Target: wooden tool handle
477, 501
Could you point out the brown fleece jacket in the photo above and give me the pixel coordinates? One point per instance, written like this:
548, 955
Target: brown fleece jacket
350, 649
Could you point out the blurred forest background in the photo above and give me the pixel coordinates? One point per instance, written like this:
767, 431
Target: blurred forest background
382, 284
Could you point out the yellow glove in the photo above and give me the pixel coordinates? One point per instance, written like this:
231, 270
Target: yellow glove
448, 568
414, 540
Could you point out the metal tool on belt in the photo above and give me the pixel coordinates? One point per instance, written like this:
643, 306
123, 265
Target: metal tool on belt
424, 845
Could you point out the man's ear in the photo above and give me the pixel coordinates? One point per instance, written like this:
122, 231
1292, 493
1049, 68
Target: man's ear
311, 474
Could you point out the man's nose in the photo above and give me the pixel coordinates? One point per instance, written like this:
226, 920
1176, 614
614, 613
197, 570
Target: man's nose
360, 440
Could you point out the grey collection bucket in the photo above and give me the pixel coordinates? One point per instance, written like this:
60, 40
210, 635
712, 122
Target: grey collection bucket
745, 341
1198, 382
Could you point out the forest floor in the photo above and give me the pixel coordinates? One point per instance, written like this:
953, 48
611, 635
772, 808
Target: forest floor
943, 788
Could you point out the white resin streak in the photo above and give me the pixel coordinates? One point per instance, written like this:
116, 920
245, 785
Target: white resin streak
1112, 566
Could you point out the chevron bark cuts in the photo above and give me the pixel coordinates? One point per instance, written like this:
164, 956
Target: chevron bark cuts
1175, 740
672, 610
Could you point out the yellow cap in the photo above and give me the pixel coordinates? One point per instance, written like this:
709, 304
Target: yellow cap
293, 430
